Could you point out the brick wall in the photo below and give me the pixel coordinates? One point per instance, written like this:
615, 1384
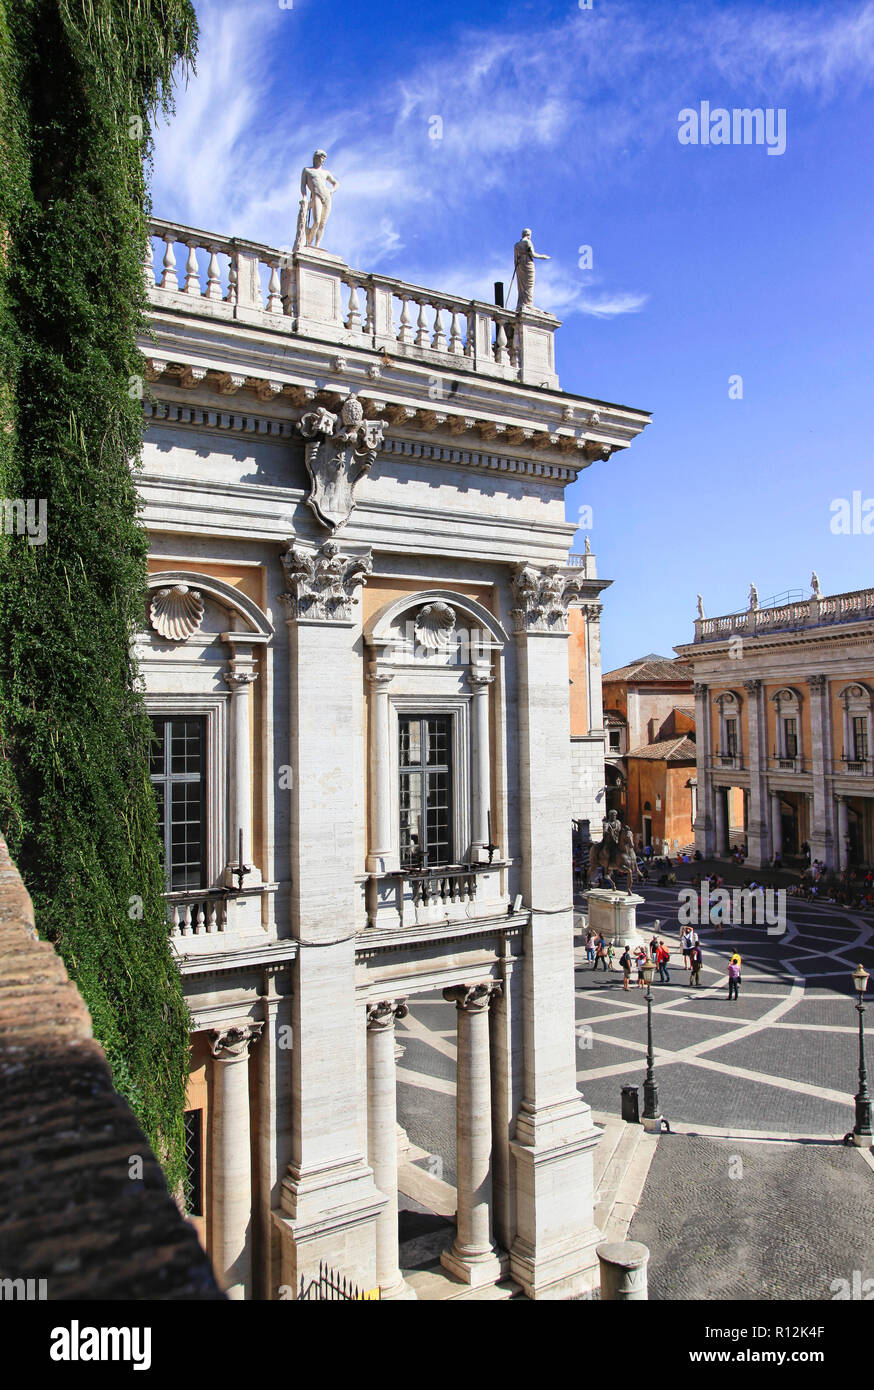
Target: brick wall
70, 1211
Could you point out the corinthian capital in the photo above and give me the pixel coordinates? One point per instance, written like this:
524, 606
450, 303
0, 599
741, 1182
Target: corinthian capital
752, 687
817, 682
382, 1015
542, 597
231, 1044
473, 997
322, 584
700, 690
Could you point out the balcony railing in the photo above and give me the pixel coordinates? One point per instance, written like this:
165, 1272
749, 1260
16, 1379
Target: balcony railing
228, 277
197, 912
416, 897
860, 767
734, 760
786, 764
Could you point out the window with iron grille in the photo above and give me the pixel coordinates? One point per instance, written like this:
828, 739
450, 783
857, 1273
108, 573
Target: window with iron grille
194, 1162
860, 737
178, 773
790, 738
425, 791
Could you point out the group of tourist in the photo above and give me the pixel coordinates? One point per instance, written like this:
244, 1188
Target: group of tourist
602, 952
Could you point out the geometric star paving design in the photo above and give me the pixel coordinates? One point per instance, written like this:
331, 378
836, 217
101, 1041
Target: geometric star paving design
779, 1062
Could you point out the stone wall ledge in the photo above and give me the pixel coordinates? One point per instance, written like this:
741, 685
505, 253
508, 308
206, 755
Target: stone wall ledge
70, 1211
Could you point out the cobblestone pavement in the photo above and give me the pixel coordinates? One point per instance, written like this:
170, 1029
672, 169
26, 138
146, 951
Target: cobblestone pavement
727, 1219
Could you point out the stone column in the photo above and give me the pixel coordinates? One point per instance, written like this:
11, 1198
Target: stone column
757, 825
473, 1257
823, 829
704, 822
553, 1253
843, 832
777, 822
720, 810
329, 1203
382, 1139
231, 1158
480, 678
381, 800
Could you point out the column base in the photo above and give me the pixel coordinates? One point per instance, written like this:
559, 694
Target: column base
862, 1141
329, 1217
397, 1293
561, 1273
475, 1270
653, 1124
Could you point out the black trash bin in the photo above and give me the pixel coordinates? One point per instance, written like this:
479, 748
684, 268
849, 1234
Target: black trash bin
630, 1105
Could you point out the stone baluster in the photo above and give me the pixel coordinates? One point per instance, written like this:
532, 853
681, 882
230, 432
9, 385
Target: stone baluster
370, 310
232, 1157
213, 275
231, 296
353, 318
274, 298
169, 280
502, 356
422, 326
382, 1139
192, 275
405, 335
473, 1257
438, 342
456, 345
149, 265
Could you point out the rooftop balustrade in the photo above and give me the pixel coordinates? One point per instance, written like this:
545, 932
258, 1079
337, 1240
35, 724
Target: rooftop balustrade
312, 293
817, 611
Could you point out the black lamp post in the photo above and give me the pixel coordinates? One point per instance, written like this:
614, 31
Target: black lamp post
651, 1115
861, 1134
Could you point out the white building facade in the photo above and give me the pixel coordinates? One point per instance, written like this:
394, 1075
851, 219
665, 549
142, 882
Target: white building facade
355, 655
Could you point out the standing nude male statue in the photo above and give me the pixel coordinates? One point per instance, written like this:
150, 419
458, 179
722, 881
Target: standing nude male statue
317, 186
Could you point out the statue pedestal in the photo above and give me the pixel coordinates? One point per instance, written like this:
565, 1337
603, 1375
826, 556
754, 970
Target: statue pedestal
312, 288
614, 916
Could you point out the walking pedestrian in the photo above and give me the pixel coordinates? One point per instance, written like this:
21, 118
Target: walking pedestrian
733, 978
590, 945
662, 957
697, 960
641, 958
625, 962
611, 955
600, 954
686, 943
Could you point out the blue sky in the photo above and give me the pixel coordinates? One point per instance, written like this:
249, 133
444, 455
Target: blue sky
708, 262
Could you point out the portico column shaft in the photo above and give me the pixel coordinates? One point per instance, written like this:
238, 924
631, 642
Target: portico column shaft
721, 814
473, 1247
482, 783
382, 1139
821, 834
232, 1159
843, 832
704, 829
777, 822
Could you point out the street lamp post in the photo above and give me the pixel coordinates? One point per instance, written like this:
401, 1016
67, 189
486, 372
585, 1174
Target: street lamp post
861, 1134
652, 1119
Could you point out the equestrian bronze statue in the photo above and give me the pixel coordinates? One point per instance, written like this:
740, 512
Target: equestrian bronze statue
615, 852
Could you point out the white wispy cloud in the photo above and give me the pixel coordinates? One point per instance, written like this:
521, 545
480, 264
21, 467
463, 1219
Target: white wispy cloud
520, 109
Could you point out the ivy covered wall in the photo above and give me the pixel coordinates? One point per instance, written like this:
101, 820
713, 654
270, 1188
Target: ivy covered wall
80, 83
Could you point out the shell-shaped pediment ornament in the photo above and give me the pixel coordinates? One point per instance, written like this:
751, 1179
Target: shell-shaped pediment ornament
176, 613
435, 625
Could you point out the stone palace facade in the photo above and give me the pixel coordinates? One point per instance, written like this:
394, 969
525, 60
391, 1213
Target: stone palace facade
784, 701
355, 654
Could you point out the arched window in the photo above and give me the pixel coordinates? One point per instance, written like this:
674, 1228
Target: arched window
857, 706
730, 743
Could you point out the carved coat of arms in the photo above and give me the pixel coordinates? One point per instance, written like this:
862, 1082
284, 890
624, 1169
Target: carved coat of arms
339, 450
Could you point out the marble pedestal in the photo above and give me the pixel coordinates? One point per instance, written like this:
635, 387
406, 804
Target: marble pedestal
613, 915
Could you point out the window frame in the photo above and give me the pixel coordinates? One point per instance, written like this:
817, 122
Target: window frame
215, 710
167, 779
427, 706
420, 771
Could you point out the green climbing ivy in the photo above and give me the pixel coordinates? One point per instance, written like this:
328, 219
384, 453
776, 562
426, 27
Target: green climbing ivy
80, 83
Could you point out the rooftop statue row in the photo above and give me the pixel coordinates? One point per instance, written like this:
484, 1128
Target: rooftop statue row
317, 187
